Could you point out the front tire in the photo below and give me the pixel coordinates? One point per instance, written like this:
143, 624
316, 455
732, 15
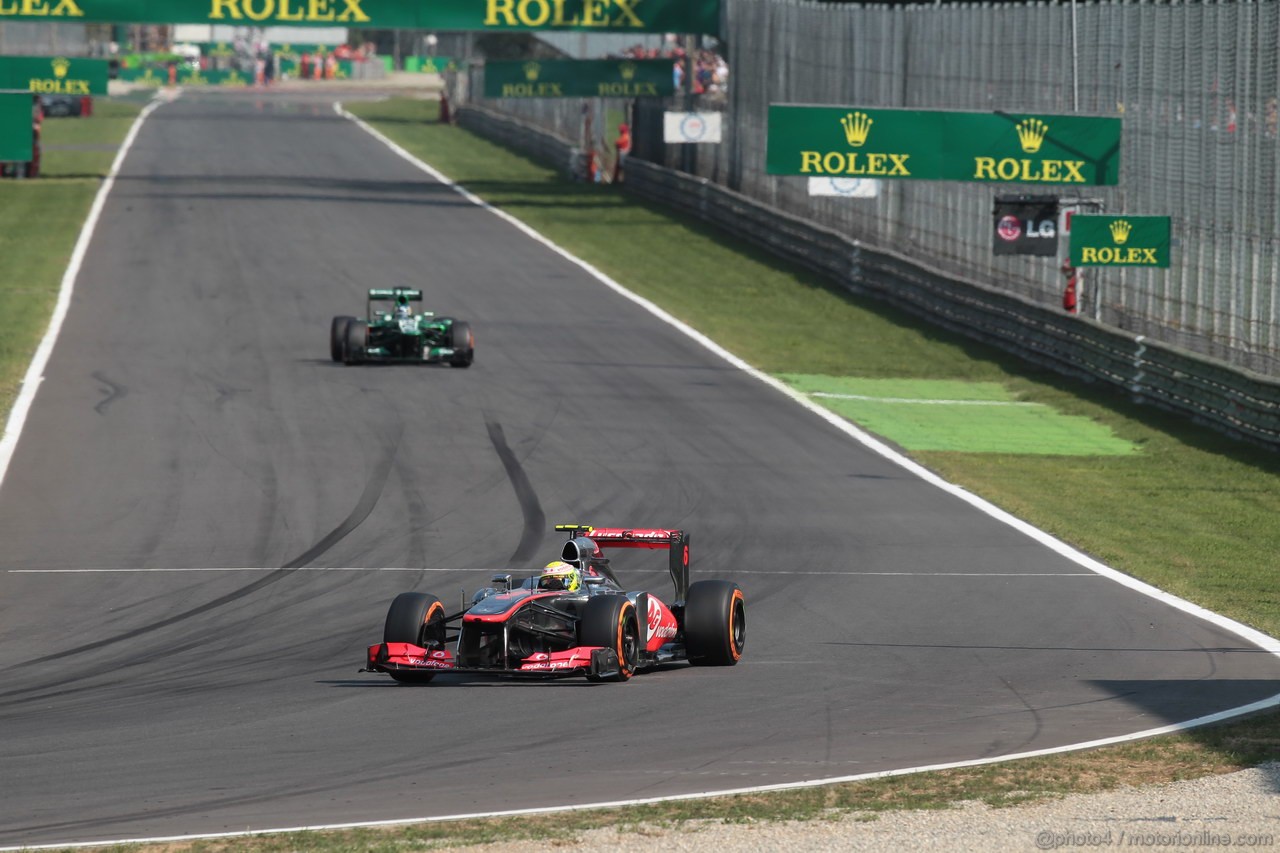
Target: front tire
463, 341
338, 337
357, 340
715, 623
610, 621
416, 618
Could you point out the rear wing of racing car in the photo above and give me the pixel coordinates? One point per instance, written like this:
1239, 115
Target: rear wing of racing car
583, 548
387, 294
409, 294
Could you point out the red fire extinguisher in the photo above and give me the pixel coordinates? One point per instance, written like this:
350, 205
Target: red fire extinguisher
1070, 299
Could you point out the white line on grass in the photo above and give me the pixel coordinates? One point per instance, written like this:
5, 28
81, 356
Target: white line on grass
834, 396
35, 372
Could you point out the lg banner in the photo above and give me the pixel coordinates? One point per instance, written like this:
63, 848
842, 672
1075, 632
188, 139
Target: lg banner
1025, 225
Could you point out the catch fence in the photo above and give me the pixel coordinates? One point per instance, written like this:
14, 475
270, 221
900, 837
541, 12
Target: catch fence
1195, 84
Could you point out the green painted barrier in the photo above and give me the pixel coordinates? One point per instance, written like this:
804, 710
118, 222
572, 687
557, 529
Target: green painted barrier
149, 76
579, 78
230, 79
15, 127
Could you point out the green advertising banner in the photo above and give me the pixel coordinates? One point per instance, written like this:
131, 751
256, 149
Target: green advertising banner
148, 76
430, 64
579, 78
197, 77
216, 48
297, 50
1120, 241
628, 16
54, 75
15, 127
935, 145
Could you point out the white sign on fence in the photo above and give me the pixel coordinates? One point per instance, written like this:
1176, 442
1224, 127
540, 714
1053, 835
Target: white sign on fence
847, 187
691, 127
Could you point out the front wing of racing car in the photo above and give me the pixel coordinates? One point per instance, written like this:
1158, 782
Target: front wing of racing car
593, 661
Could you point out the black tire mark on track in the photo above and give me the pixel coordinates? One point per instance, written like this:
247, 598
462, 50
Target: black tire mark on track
368, 500
110, 394
535, 522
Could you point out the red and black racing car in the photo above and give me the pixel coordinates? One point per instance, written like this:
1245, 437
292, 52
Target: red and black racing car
590, 626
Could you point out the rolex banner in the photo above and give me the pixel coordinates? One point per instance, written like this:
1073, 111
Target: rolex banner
54, 75
579, 78
626, 16
15, 127
1025, 225
1019, 148
1120, 241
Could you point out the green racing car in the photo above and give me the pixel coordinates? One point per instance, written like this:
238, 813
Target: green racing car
393, 331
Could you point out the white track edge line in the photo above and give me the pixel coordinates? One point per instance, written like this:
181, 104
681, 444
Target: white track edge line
1259, 639
35, 371
644, 801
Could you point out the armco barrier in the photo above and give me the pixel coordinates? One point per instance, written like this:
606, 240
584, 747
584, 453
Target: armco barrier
539, 144
1241, 404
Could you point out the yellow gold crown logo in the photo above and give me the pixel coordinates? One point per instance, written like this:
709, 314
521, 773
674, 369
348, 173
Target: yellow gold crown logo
531, 70
1120, 231
856, 128
1031, 133
60, 66
627, 70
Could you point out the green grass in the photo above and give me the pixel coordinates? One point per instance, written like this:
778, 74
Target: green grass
107, 127
39, 222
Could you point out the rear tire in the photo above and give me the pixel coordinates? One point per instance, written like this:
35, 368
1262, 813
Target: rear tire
338, 337
715, 623
610, 621
357, 339
416, 618
463, 341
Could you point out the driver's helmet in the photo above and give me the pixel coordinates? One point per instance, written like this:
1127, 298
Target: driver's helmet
402, 310
559, 575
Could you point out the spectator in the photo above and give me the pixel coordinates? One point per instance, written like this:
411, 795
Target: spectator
623, 146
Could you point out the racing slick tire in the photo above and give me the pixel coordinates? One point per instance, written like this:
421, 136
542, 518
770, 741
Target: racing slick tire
609, 621
417, 618
338, 337
463, 343
715, 623
357, 340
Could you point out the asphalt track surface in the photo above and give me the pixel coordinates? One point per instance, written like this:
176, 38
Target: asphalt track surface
191, 423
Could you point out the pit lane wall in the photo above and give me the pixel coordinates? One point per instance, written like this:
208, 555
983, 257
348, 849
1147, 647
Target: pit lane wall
1235, 401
